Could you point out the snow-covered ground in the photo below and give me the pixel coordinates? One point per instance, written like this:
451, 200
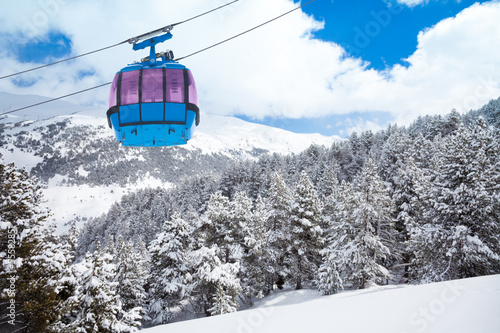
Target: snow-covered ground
460, 306
84, 201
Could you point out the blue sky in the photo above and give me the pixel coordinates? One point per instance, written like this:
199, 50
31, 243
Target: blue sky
381, 34
336, 67
377, 32
54, 46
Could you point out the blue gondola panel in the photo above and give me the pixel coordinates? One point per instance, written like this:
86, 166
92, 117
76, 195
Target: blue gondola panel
153, 104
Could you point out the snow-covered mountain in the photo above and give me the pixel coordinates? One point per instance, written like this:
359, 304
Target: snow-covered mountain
229, 136
70, 148
10, 102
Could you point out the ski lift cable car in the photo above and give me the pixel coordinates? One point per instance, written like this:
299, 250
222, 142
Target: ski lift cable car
153, 103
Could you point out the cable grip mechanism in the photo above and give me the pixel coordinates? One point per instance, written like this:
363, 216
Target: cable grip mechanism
151, 43
166, 55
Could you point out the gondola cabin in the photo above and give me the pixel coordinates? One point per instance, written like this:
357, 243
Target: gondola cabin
153, 103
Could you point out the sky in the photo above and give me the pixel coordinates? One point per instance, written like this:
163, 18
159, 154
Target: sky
333, 67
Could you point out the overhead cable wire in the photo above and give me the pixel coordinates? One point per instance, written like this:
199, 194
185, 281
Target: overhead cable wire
189, 55
170, 26
63, 60
213, 10
129, 40
55, 99
244, 32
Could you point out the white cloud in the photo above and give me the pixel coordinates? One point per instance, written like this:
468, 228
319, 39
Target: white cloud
456, 63
412, 3
278, 70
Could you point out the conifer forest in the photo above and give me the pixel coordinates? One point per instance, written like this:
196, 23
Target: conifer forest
404, 205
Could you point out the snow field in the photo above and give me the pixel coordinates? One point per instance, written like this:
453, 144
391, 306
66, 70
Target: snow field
459, 306
69, 202
225, 134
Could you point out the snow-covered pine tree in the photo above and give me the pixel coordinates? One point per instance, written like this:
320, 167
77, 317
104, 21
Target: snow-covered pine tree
394, 154
69, 283
342, 232
260, 250
168, 254
329, 182
244, 242
143, 253
217, 226
357, 154
373, 218
110, 246
329, 187
279, 203
130, 275
328, 280
241, 226
363, 217
21, 199
406, 201
461, 207
306, 234
234, 226
452, 122
99, 308
423, 152
71, 237
254, 258
491, 112
423, 238
214, 285
32, 258
222, 302
195, 192
46, 283
312, 161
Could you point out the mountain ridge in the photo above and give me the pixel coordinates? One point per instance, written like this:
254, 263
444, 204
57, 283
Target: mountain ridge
236, 135
84, 170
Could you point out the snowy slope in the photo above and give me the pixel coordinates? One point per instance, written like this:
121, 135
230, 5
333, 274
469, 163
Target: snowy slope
229, 134
9, 102
216, 134
460, 306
